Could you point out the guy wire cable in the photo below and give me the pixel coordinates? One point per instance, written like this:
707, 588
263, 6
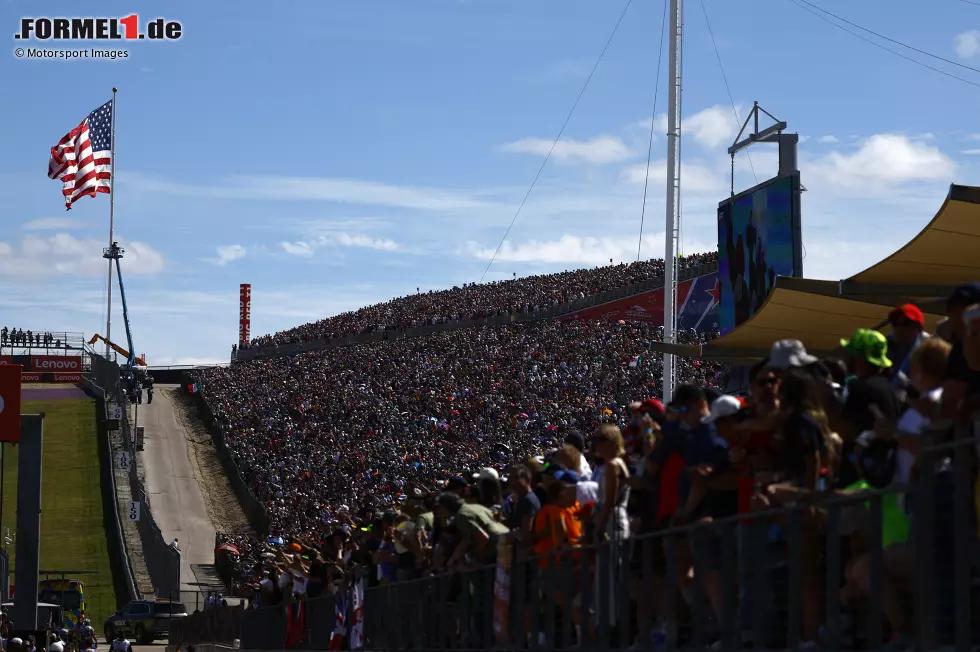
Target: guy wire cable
558, 137
738, 121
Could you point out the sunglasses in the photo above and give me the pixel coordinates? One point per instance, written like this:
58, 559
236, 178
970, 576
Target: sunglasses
903, 323
765, 382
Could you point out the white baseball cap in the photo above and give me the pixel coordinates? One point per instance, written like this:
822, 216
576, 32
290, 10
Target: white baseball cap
489, 473
723, 406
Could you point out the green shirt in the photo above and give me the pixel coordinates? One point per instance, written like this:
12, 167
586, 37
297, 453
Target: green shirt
895, 522
472, 516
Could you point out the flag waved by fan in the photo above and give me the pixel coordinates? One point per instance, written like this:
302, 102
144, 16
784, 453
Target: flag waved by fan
82, 160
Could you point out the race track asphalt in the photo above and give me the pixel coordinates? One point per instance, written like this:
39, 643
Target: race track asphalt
174, 493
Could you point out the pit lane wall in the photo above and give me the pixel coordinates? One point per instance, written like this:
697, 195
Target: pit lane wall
47, 368
697, 302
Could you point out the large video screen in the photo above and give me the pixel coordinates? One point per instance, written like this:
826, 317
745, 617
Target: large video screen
758, 240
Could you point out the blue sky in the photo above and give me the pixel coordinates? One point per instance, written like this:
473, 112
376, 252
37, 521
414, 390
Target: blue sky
368, 148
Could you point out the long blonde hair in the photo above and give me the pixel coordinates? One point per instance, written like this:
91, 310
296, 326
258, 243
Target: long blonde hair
612, 434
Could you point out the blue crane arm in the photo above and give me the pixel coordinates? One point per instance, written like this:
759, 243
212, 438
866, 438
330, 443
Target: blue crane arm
129, 333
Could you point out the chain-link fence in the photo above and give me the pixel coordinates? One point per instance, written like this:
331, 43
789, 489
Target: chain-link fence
162, 561
123, 575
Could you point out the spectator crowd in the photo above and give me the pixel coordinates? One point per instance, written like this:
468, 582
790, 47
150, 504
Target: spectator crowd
19, 338
478, 300
417, 457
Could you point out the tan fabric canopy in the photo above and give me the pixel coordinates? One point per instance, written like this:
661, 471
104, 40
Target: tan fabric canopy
944, 253
817, 320
819, 313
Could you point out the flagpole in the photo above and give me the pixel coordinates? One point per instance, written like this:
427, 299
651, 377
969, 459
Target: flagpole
112, 197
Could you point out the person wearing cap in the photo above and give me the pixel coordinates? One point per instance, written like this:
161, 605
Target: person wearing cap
870, 395
478, 529
526, 505
571, 507
713, 496
646, 419
908, 326
488, 487
961, 380
789, 354
458, 485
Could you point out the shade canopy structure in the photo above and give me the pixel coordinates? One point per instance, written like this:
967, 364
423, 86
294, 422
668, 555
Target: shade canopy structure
943, 255
817, 320
946, 253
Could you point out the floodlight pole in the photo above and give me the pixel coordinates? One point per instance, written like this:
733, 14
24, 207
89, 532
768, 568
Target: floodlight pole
672, 232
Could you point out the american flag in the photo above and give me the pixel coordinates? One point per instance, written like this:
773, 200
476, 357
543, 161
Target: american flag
81, 160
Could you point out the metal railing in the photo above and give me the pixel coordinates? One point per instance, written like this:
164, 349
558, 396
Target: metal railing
123, 576
42, 343
551, 312
772, 578
162, 561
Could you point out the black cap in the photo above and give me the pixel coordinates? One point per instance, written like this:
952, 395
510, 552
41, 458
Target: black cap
964, 295
576, 439
711, 394
456, 482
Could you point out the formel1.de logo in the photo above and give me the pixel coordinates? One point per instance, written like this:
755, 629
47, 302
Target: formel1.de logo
127, 28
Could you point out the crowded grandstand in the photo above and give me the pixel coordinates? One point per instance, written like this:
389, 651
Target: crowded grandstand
527, 294
411, 458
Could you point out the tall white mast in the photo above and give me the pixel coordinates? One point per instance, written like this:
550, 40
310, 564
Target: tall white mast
673, 189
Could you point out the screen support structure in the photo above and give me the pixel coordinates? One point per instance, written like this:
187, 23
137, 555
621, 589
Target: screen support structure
673, 190
772, 134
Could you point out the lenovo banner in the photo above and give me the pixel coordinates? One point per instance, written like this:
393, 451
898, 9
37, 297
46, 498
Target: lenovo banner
244, 313
56, 363
50, 377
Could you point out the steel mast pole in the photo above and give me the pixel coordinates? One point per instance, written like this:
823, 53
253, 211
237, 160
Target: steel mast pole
112, 206
673, 190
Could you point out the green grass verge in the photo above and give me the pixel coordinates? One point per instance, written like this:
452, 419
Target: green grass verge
72, 536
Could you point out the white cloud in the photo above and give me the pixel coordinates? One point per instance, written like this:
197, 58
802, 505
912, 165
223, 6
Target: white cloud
597, 151
712, 127
54, 224
695, 177
229, 253
967, 44
190, 361
828, 139
581, 250
883, 160
300, 249
63, 254
349, 191
306, 248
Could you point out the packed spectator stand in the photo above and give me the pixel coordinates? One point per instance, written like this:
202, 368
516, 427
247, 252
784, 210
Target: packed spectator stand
415, 463
476, 300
